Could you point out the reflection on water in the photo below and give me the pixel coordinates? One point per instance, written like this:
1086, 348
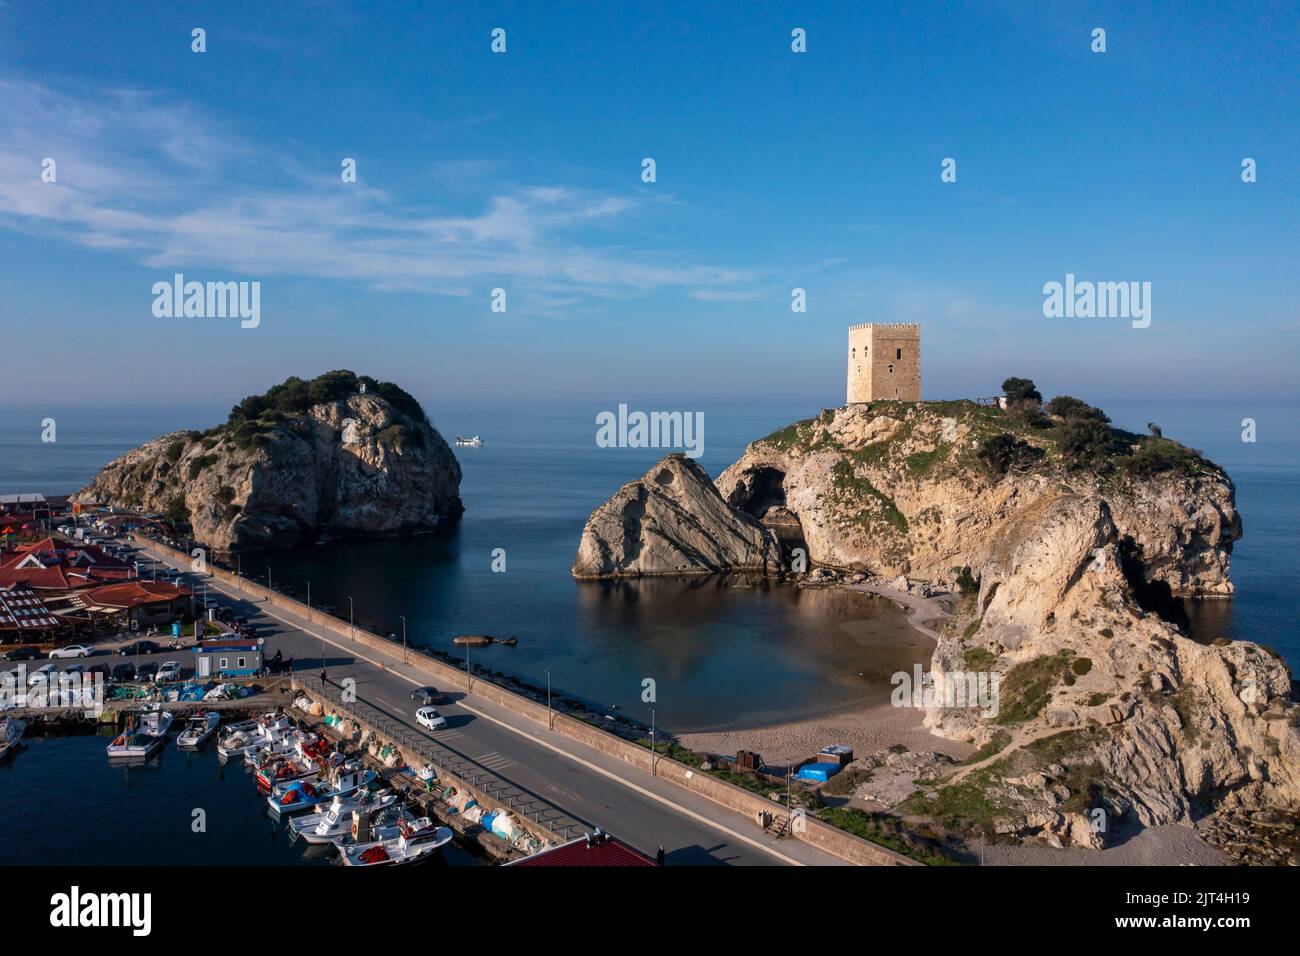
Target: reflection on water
66, 804
723, 651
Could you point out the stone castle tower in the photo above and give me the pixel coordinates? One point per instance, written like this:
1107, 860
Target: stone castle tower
884, 362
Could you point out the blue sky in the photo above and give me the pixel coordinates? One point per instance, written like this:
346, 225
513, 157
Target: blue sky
522, 171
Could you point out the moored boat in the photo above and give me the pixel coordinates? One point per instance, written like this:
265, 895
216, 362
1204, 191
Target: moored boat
242, 738
334, 823
143, 734
11, 735
415, 841
339, 781
306, 763
198, 730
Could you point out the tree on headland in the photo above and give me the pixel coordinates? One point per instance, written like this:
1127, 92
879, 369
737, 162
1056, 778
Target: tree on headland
1024, 400
1002, 454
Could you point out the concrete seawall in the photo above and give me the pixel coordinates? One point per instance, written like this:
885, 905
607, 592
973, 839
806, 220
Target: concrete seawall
810, 830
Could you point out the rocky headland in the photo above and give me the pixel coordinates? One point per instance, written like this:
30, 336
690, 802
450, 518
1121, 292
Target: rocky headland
341, 455
1068, 543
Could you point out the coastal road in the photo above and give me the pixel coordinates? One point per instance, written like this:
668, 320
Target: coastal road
590, 786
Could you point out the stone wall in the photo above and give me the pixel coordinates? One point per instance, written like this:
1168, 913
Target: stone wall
884, 362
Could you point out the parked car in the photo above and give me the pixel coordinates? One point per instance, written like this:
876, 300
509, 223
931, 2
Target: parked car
41, 673
427, 695
124, 672
140, 647
26, 653
73, 669
147, 671
170, 670
429, 717
99, 669
72, 650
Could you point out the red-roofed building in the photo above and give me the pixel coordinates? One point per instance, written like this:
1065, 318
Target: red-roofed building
24, 616
143, 602
593, 849
54, 565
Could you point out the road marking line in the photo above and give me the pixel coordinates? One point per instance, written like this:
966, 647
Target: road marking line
559, 750
638, 788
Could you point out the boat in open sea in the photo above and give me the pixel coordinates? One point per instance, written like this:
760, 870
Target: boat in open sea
472, 442
143, 735
11, 736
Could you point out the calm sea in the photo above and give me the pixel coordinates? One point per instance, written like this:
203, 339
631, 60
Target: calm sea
720, 656
66, 804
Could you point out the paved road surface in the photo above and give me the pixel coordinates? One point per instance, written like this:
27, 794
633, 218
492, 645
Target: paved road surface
588, 785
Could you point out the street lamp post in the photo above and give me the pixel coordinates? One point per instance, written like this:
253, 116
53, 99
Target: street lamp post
654, 749
469, 675
309, 601
550, 719
404, 639
352, 627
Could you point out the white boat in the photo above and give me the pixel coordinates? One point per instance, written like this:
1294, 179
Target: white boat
197, 730
472, 442
414, 841
11, 735
277, 744
143, 735
341, 780
335, 822
265, 733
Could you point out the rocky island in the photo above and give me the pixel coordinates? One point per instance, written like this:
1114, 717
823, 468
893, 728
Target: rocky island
341, 455
1069, 542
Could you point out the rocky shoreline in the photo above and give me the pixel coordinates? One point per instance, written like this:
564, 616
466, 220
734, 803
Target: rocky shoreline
1043, 567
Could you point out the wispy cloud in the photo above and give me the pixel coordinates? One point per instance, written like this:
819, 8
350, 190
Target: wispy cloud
178, 189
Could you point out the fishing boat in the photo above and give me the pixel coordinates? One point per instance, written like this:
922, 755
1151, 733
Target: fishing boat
306, 763
198, 730
263, 733
268, 719
334, 822
340, 781
472, 442
414, 841
142, 736
11, 736
278, 744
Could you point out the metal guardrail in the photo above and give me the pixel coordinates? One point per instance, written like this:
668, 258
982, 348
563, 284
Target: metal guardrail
518, 801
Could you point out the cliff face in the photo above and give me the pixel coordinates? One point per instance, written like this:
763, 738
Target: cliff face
1102, 711
352, 466
899, 489
672, 521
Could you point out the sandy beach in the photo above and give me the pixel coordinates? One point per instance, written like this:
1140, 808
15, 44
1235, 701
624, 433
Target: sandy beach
866, 729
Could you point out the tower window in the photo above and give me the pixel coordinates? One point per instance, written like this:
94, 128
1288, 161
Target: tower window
898, 353
891, 370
